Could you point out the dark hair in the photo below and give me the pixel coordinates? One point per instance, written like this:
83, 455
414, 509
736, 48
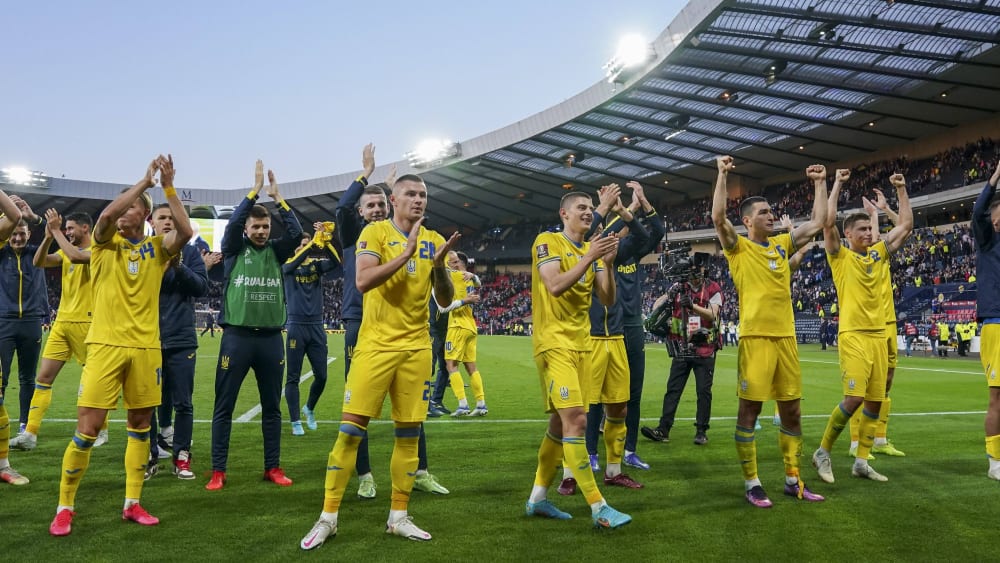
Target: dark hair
258, 211
159, 206
372, 190
573, 195
464, 258
746, 207
80, 218
409, 178
853, 218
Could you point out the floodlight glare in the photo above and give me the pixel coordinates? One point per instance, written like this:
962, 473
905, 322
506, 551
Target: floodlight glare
433, 151
22, 176
633, 51
18, 175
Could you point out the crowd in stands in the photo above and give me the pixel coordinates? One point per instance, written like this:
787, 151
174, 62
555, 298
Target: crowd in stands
930, 257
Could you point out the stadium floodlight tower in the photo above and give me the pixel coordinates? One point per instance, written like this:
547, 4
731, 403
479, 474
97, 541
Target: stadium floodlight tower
433, 152
21, 176
633, 52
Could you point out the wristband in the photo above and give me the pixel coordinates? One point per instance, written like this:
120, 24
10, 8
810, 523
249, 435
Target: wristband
252, 195
170, 191
362, 180
284, 205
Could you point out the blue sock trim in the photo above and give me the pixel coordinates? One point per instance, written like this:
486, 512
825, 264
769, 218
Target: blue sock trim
843, 410
351, 429
407, 432
869, 415
553, 438
82, 442
141, 436
573, 440
787, 432
42, 386
744, 429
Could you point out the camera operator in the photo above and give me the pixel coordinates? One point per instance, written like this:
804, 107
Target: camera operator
691, 307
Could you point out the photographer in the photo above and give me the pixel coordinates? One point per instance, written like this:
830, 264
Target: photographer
687, 315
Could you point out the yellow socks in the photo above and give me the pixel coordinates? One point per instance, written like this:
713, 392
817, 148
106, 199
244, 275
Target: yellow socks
340, 464
834, 426
40, 401
791, 451
136, 458
746, 449
476, 382
4, 431
883, 421
74, 466
866, 435
575, 453
403, 465
993, 447
457, 385
614, 438
550, 455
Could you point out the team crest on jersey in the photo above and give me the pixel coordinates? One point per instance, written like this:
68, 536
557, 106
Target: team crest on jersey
347, 396
744, 385
851, 384
411, 266
133, 266
564, 393
224, 362
542, 251
363, 244
773, 264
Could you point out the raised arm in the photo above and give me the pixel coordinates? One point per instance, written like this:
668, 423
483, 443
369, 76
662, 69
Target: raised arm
107, 221
11, 216
232, 238
831, 236
556, 282
189, 273
806, 231
604, 279
175, 240
289, 241
904, 225
53, 231
607, 196
982, 223
796, 259
440, 278
723, 227
883, 205
346, 211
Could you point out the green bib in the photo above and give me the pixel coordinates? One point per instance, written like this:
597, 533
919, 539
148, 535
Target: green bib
254, 296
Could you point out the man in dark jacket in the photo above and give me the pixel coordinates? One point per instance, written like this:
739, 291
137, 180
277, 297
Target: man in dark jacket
303, 281
252, 316
23, 306
9, 219
184, 281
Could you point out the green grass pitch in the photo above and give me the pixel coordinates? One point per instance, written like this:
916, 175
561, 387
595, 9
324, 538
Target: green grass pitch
938, 503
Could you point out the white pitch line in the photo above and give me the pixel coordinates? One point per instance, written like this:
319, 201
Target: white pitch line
250, 414
544, 420
898, 367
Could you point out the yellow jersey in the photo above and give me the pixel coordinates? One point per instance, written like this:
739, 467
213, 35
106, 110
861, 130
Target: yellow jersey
76, 303
394, 315
858, 278
561, 322
462, 316
125, 280
763, 283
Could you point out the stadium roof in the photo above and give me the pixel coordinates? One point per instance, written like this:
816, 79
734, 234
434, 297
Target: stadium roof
779, 84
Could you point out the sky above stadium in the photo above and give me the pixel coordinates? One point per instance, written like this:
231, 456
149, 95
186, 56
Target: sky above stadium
93, 90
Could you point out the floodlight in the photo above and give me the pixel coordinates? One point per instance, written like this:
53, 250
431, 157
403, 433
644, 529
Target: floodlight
633, 51
433, 151
22, 176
